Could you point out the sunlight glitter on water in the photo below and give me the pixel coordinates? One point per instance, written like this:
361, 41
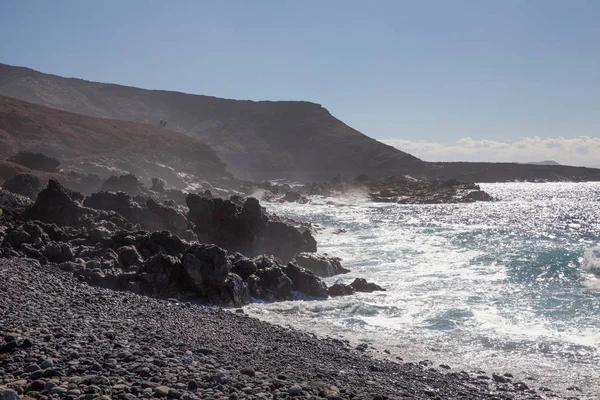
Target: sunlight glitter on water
498, 286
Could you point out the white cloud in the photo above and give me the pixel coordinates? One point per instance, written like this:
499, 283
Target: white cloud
580, 151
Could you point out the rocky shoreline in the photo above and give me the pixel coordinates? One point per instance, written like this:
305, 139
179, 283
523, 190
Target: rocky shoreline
93, 307
65, 339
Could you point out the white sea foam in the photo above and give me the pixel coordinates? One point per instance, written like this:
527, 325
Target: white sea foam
495, 286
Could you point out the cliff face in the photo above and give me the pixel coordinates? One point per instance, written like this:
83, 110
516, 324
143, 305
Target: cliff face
102, 146
257, 140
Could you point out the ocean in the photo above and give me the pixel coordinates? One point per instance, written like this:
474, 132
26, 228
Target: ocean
503, 286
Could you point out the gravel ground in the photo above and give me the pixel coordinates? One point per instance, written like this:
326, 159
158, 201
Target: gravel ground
61, 338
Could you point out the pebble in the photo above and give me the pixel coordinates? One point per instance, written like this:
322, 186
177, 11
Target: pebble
161, 391
8, 394
103, 344
294, 390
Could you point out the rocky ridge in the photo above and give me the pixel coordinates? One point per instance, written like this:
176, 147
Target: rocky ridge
101, 241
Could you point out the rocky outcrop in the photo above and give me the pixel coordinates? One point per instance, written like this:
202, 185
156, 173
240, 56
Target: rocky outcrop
128, 183
24, 184
62, 207
104, 247
406, 190
246, 228
340, 289
361, 285
305, 281
393, 189
147, 212
321, 265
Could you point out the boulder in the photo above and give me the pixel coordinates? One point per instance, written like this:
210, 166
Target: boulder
321, 265
242, 266
305, 281
340, 289
128, 256
294, 197
361, 285
269, 282
207, 266
245, 228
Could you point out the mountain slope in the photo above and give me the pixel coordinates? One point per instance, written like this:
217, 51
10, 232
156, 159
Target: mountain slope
103, 146
258, 140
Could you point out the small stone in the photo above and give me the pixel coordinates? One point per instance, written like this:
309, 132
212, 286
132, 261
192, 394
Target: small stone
36, 386
161, 391
500, 379
192, 386
36, 374
205, 351
8, 394
47, 364
32, 368
49, 386
520, 386
58, 390
295, 390
248, 371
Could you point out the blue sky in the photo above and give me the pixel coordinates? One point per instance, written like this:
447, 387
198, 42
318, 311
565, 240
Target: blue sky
419, 71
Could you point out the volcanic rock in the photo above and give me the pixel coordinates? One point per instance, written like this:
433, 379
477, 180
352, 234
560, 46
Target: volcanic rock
321, 265
24, 184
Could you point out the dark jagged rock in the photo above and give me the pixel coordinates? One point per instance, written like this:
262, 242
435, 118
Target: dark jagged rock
340, 289
294, 197
242, 266
246, 229
361, 285
105, 249
405, 190
305, 281
393, 189
270, 282
208, 268
128, 183
158, 185
150, 214
60, 206
24, 184
321, 265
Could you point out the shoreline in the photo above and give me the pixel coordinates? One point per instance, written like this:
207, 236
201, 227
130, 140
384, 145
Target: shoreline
134, 345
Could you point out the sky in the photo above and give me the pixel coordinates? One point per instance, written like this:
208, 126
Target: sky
446, 80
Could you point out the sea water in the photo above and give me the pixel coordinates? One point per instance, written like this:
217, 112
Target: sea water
503, 286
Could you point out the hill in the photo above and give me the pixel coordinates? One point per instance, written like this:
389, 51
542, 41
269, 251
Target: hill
545, 162
103, 146
257, 140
